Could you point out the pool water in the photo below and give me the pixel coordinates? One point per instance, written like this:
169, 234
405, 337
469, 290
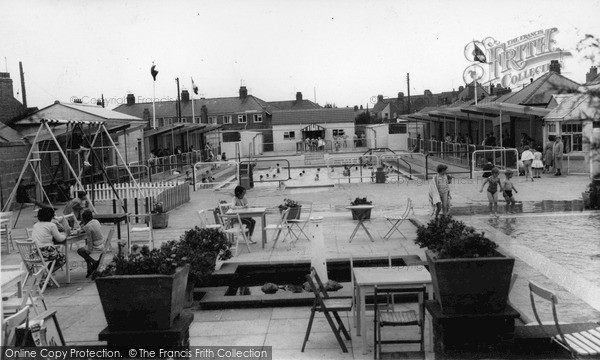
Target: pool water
307, 177
563, 246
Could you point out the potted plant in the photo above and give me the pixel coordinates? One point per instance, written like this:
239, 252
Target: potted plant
469, 275
202, 247
591, 195
160, 218
361, 213
145, 289
295, 209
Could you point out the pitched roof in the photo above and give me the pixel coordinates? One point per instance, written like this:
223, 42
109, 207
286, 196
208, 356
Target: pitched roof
294, 105
540, 91
575, 107
8, 134
215, 106
313, 116
77, 112
595, 81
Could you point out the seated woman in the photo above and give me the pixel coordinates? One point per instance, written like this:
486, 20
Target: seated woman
240, 201
46, 234
94, 241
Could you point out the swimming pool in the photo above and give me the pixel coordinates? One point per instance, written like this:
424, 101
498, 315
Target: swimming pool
563, 246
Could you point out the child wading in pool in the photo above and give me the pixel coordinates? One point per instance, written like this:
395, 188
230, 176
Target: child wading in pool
509, 187
492, 192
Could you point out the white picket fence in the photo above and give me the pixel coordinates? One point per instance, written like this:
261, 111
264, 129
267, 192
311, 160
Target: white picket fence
125, 190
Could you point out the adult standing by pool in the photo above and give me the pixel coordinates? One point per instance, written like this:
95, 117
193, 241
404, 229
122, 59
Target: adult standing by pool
548, 157
557, 152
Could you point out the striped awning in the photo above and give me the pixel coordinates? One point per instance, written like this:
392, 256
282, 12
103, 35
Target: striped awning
313, 127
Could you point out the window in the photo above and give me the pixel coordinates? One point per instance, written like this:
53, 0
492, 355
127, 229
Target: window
257, 118
572, 137
289, 135
226, 119
338, 132
168, 121
212, 119
551, 127
241, 119
397, 129
161, 122
197, 120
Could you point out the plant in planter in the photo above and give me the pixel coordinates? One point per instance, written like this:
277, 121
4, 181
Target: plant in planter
591, 195
294, 206
144, 289
469, 275
160, 218
361, 213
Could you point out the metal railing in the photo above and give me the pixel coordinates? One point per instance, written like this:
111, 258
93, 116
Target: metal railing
503, 159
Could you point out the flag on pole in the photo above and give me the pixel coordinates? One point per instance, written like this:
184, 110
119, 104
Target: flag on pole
478, 54
154, 72
194, 87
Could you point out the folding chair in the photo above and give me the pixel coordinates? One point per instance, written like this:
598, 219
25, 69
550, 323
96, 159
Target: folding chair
232, 226
328, 306
579, 344
396, 220
301, 223
33, 260
10, 325
6, 229
391, 317
106, 248
204, 220
140, 229
31, 295
279, 227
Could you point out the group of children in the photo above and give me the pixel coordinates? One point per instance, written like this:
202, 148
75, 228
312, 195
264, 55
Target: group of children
439, 190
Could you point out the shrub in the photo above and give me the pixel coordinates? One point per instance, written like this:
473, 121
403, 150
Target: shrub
361, 201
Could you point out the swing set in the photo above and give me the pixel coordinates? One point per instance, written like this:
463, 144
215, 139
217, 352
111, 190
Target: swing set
79, 143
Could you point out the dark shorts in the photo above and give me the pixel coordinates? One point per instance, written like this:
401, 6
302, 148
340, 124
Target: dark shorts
492, 191
508, 193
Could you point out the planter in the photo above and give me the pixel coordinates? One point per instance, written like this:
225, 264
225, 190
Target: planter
587, 204
364, 214
142, 302
160, 220
294, 213
473, 285
189, 295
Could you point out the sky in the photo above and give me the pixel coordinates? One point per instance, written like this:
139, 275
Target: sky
338, 52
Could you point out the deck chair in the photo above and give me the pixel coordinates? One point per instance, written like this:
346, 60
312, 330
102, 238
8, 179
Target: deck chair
33, 260
300, 224
279, 227
579, 344
140, 229
328, 306
204, 220
32, 294
232, 226
10, 325
6, 230
395, 220
106, 249
389, 316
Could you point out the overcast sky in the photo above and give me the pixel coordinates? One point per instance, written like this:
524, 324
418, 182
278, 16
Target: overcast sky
344, 51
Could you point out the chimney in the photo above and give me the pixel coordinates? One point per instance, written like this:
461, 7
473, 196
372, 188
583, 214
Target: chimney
146, 114
591, 75
6, 87
243, 92
204, 114
492, 89
400, 96
379, 98
298, 96
130, 99
427, 93
185, 96
555, 66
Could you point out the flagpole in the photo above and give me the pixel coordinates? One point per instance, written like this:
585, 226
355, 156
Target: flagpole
153, 106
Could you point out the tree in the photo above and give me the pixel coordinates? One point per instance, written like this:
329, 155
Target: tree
363, 118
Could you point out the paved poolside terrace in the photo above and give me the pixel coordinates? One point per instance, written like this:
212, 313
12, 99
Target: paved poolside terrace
80, 312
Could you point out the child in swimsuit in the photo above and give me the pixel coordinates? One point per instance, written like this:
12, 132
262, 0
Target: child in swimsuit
492, 192
509, 187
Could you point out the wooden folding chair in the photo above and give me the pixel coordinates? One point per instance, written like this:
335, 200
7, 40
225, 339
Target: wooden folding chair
10, 325
204, 220
395, 220
279, 227
301, 223
33, 260
328, 306
6, 229
232, 226
389, 316
579, 344
32, 294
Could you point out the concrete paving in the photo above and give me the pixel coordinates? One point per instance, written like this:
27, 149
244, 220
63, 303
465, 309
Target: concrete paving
80, 312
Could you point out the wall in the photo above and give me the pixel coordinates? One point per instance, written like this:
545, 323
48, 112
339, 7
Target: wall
281, 144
